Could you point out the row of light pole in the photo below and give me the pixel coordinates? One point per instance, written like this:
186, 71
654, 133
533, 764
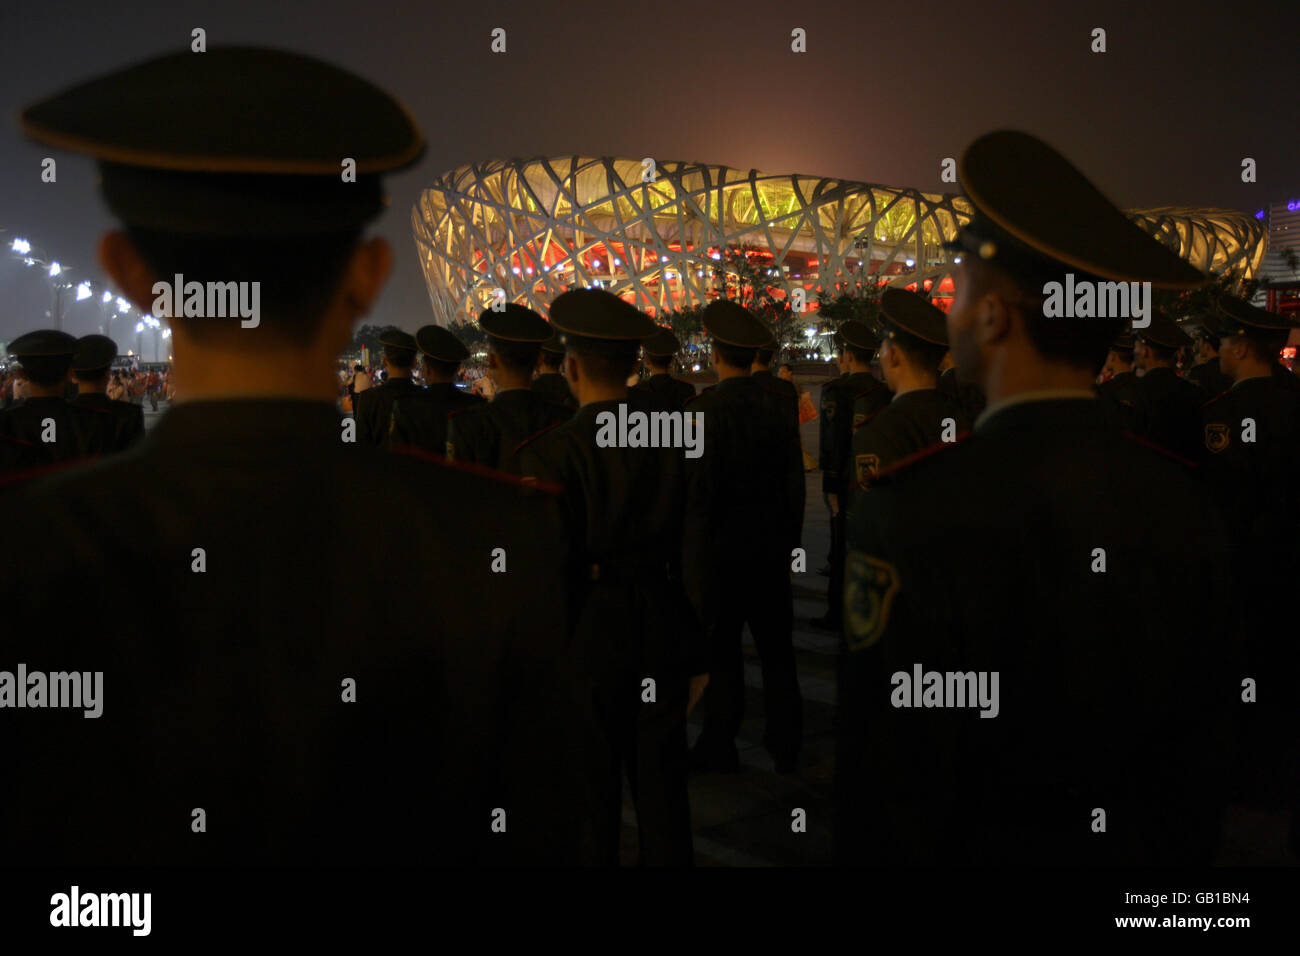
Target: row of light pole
61, 284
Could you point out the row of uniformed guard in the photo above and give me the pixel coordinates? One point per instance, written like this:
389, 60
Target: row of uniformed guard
45, 428
668, 558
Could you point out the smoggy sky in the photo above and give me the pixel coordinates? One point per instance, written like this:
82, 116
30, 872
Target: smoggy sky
884, 93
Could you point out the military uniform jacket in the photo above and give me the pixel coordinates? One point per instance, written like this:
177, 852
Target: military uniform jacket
637, 529
1210, 377
672, 393
1120, 393
785, 393
845, 402
969, 397
77, 432
420, 419
1169, 411
912, 421
1256, 482
128, 419
490, 434
374, 407
754, 471
266, 608
554, 387
1094, 665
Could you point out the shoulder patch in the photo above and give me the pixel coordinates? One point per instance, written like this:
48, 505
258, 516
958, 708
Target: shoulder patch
1217, 437
869, 587
867, 466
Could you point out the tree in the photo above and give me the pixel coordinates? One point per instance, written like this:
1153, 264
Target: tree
367, 337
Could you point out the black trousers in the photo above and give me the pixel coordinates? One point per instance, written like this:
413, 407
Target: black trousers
754, 592
624, 634
647, 741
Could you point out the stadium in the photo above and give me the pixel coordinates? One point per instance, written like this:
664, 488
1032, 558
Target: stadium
669, 235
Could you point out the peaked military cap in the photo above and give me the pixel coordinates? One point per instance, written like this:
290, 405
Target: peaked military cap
597, 314
1124, 341
94, 351
44, 342
1236, 316
1036, 213
234, 141
397, 339
554, 345
440, 344
858, 335
733, 324
662, 344
915, 316
1163, 332
515, 323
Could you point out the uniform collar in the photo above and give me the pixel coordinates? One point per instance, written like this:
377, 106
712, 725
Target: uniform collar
911, 391
739, 381
1034, 397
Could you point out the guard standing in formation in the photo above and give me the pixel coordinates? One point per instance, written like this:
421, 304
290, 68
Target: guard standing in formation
966, 394
823, 439
914, 342
276, 703
374, 406
659, 350
1168, 406
1206, 372
91, 364
1251, 459
490, 434
638, 529
549, 381
751, 473
1001, 693
420, 419
1120, 391
779, 387
44, 427
846, 402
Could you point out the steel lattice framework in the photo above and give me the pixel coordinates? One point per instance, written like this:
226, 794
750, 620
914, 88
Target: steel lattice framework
669, 235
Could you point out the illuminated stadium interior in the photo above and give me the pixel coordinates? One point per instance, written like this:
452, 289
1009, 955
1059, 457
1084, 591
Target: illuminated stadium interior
535, 228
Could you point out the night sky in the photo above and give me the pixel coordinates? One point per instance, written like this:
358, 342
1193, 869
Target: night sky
884, 93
